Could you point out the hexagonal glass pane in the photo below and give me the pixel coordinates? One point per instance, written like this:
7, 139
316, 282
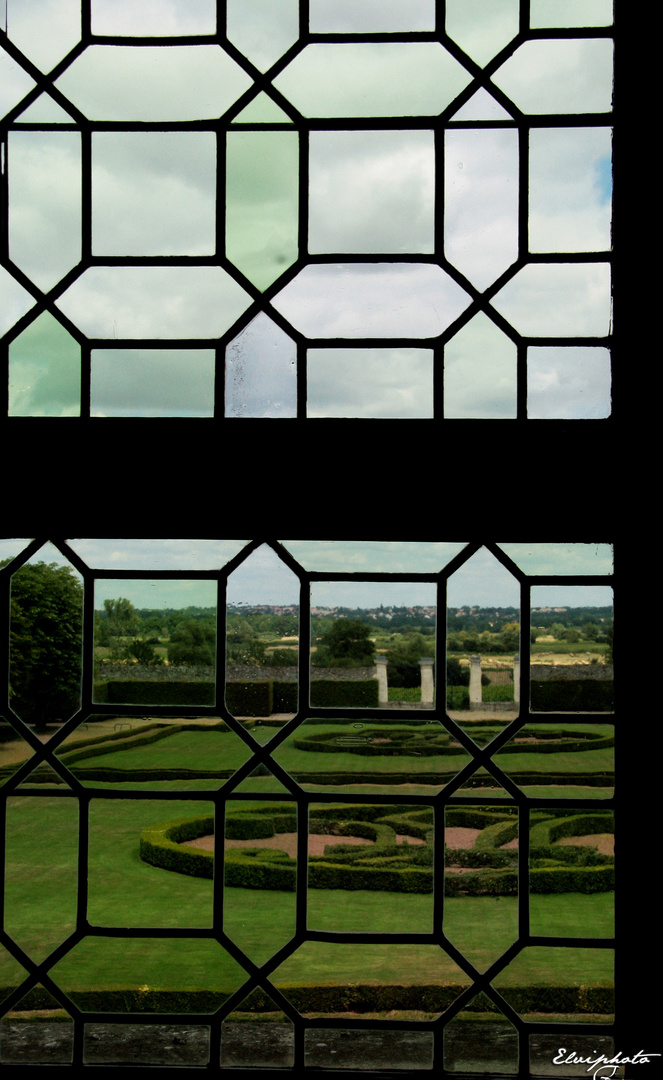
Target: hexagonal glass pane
155, 641
46, 641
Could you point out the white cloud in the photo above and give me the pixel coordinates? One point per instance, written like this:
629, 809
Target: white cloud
153, 193
153, 18
44, 203
356, 300
481, 202
154, 301
572, 75
370, 383
372, 191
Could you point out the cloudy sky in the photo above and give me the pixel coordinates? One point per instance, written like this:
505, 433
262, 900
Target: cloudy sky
262, 578
370, 192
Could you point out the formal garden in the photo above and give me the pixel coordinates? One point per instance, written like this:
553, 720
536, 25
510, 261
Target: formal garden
368, 819
149, 867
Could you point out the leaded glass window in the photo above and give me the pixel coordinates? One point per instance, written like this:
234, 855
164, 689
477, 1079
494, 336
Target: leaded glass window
370, 210
420, 879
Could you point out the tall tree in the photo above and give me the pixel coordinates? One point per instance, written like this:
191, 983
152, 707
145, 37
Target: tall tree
346, 643
194, 642
118, 621
45, 642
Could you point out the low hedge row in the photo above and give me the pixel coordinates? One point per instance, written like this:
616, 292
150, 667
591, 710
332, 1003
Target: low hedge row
162, 845
386, 866
458, 698
328, 693
402, 742
493, 836
310, 998
137, 692
250, 698
572, 695
100, 744
573, 744
286, 697
546, 832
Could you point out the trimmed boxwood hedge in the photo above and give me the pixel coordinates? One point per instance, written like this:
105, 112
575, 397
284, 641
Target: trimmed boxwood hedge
385, 865
250, 698
137, 692
354, 997
546, 832
573, 695
286, 697
346, 693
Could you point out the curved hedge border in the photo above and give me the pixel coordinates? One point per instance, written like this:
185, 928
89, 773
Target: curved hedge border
387, 866
356, 997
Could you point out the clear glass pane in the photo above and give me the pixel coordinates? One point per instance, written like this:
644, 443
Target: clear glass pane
351, 300
353, 627
572, 874
142, 17
571, 656
41, 880
145, 975
562, 558
370, 383
261, 203
482, 27
262, 639
44, 370
154, 301
152, 382
572, 75
481, 203
121, 82
568, 383
483, 641
43, 31
570, 189
44, 203
260, 876
570, 13
481, 881
153, 193
480, 371
176, 895
371, 191
373, 556
261, 371
46, 641
130, 667
370, 16
264, 29
558, 300
372, 79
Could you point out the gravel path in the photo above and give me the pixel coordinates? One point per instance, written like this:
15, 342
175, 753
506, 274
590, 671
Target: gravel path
317, 842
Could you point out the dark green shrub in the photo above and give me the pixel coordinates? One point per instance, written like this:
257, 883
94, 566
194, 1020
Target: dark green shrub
250, 698
458, 697
573, 695
286, 699
498, 693
327, 693
135, 692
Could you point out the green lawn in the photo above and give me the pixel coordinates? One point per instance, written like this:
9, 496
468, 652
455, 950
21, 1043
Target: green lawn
41, 895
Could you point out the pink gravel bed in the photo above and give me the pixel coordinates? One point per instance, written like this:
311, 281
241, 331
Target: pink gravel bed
604, 842
460, 838
317, 842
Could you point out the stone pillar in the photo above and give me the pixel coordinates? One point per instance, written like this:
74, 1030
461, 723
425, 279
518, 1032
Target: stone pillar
475, 680
516, 680
381, 675
427, 688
